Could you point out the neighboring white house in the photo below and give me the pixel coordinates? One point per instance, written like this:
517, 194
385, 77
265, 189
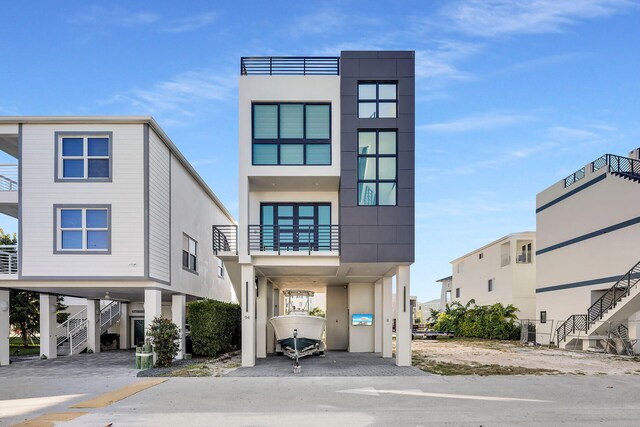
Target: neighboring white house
446, 287
107, 209
504, 271
423, 310
588, 227
326, 195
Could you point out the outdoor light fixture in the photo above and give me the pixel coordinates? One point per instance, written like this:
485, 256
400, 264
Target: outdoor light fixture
4, 305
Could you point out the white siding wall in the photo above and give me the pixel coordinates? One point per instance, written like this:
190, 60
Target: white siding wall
40, 193
159, 206
194, 213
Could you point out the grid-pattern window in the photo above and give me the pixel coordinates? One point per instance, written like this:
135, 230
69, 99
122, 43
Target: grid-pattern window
84, 157
189, 253
291, 134
377, 167
491, 284
81, 229
377, 100
220, 268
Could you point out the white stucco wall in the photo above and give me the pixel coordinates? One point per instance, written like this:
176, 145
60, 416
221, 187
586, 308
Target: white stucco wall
361, 300
40, 192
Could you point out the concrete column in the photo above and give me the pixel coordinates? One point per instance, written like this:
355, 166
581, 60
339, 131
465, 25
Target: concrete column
152, 309
248, 305
387, 317
48, 326
633, 324
270, 307
5, 328
125, 326
178, 316
377, 317
443, 297
93, 325
261, 318
403, 316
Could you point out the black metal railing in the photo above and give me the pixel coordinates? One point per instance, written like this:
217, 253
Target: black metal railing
574, 177
617, 164
575, 323
225, 238
294, 238
614, 294
290, 65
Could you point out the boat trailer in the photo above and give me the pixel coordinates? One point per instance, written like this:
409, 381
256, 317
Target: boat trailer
296, 354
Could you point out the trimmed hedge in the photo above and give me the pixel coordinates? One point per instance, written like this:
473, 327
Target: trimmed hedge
215, 327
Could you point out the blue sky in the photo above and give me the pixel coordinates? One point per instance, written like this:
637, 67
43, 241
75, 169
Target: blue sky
511, 95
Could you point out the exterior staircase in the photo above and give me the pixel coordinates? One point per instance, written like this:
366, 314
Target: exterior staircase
607, 315
72, 335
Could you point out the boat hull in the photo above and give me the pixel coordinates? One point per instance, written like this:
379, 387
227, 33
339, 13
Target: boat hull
310, 329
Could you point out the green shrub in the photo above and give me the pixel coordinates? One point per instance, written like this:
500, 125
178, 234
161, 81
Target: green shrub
480, 321
215, 327
164, 336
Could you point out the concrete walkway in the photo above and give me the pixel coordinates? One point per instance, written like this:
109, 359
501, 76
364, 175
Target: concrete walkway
333, 364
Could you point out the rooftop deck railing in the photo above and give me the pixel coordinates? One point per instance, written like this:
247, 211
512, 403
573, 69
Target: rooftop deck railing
618, 164
290, 66
8, 177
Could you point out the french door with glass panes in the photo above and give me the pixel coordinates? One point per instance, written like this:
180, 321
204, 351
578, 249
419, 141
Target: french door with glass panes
295, 226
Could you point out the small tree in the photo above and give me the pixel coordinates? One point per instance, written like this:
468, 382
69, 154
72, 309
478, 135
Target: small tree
165, 339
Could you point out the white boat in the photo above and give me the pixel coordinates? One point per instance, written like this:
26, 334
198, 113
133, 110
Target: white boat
298, 333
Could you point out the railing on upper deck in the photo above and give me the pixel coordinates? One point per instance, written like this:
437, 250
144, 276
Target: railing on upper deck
294, 238
619, 164
8, 177
290, 66
225, 238
8, 259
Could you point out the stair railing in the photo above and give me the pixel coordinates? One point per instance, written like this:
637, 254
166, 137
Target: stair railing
614, 294
63, 330
109, 315
576, 322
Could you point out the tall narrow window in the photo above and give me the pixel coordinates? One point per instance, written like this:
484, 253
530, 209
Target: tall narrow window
457, 292
491, 285
81, 157
220, 268
377, 168
377, 100
189, 254
291, 134
82, 229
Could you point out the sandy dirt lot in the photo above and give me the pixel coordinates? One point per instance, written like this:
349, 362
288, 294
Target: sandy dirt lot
480, 355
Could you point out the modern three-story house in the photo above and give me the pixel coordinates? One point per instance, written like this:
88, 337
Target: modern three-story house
326, 195
108, 209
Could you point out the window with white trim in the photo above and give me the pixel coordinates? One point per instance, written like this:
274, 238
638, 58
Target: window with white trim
189, 253
220, 268
83, 229
84, 157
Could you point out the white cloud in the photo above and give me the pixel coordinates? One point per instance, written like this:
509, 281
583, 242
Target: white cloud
190, 23
491, 18
181, 96
479, 122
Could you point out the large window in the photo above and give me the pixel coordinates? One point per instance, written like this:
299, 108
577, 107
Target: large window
291, 134
377, 167
189, 254
83, 157
377, 100
82, 229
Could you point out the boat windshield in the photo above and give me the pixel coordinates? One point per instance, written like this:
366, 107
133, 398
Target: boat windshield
298, 302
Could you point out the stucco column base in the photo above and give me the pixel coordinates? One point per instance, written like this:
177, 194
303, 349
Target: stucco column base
261, 318
248, 305
125, 337
93, 325
152, 309
377, 317
387, 317
633, 324
178, 316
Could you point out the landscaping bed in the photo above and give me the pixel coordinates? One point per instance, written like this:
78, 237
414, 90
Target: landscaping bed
197, 367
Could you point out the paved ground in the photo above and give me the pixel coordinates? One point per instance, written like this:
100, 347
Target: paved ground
383, 401
333, 364
29, 388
